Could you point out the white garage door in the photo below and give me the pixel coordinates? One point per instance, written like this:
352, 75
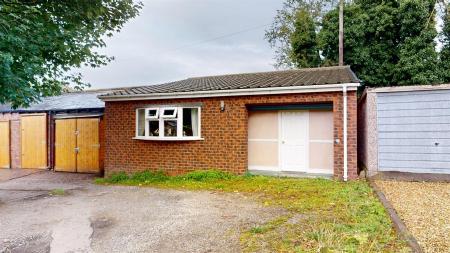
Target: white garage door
291, 141
414, 131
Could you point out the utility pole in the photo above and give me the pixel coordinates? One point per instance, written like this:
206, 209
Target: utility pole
341, 32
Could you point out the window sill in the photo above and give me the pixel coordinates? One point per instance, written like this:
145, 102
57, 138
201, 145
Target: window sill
168, 138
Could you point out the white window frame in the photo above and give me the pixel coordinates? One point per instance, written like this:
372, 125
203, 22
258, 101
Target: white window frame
177, 115
170, 116
147, 115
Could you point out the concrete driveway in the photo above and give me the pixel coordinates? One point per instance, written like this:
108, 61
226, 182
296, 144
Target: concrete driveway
84, 217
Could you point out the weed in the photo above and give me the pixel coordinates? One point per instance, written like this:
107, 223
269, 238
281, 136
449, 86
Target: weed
58, 192
257, 230
341, 216
207, 175
149, 177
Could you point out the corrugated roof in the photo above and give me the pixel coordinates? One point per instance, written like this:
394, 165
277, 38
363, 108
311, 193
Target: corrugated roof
66, 101
286, 78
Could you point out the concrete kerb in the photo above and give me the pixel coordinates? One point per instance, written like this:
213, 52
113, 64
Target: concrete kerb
397, 222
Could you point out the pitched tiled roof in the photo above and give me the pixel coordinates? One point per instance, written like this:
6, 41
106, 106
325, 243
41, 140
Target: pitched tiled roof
66, 101
273, 79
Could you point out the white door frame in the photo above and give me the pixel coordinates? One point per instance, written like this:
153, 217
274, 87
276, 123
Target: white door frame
280, 135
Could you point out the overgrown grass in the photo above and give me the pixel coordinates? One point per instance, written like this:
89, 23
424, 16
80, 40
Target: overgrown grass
324, 215
58, 192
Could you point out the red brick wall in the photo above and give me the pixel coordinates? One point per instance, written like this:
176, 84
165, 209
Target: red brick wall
225, 135
15, 149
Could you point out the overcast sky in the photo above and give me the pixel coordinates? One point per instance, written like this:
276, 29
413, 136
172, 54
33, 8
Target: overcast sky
163, 43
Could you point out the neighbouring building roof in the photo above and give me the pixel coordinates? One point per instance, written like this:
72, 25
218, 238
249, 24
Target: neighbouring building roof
263, 80
66, 101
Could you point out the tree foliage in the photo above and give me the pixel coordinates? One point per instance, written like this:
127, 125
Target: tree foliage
280, 32
41, 41
305, 51
386, 42
445, 40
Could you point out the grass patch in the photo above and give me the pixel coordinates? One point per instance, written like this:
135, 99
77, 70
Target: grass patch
58, 192
325, 215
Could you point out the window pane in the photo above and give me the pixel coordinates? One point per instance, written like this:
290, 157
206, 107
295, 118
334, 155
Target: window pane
170, 128
153, 127
141, 122
190, 121
169, 113
153, 113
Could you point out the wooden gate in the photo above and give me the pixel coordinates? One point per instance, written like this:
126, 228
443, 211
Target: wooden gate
34, 141
65, 143
4, 144
77, 145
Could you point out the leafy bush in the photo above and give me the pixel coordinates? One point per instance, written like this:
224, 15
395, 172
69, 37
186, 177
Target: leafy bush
149, 176
117, 177
207, 175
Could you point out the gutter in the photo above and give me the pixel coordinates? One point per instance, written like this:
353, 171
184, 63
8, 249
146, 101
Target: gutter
345, 118
230, 93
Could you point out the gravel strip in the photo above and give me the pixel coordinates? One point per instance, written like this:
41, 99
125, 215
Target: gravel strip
425, 209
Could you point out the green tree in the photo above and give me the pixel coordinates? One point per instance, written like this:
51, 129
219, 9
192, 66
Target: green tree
305, 51
418, 58
386, 42
369, 39
41, 41
282, 29
445, 51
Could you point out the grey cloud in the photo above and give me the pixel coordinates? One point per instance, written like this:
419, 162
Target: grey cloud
162, 43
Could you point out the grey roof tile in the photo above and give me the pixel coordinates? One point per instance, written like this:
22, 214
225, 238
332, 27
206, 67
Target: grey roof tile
66, 101
286, 78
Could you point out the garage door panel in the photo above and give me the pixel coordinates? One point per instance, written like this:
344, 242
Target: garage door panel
263, 154
4, 145
65, 143
413, 96
414, 120
88, 145
444, 157
417, 170
401, 143
415, 128
34, 142
321, 157
263, 125
414, 131
414, 135
385, 164
414, 105
414, 113
415, 150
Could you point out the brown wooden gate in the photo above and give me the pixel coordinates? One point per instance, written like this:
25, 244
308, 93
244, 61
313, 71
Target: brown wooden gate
65, 144
34, 141
4, 144
77, 145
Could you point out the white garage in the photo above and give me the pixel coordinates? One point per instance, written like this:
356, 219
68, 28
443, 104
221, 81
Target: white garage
292, 141
405, 129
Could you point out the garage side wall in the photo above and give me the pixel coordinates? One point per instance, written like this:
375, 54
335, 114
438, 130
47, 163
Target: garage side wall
225, 144
368, 133
15, 147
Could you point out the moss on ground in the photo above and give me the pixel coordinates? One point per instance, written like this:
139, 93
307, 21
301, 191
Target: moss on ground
324, 215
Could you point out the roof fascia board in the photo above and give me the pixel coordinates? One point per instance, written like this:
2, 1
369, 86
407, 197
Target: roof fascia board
410, 88
236, 92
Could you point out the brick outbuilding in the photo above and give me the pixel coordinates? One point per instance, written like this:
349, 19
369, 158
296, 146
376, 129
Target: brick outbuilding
280, 122
64, 133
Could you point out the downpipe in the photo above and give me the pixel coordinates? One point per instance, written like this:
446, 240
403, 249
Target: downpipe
344, 96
